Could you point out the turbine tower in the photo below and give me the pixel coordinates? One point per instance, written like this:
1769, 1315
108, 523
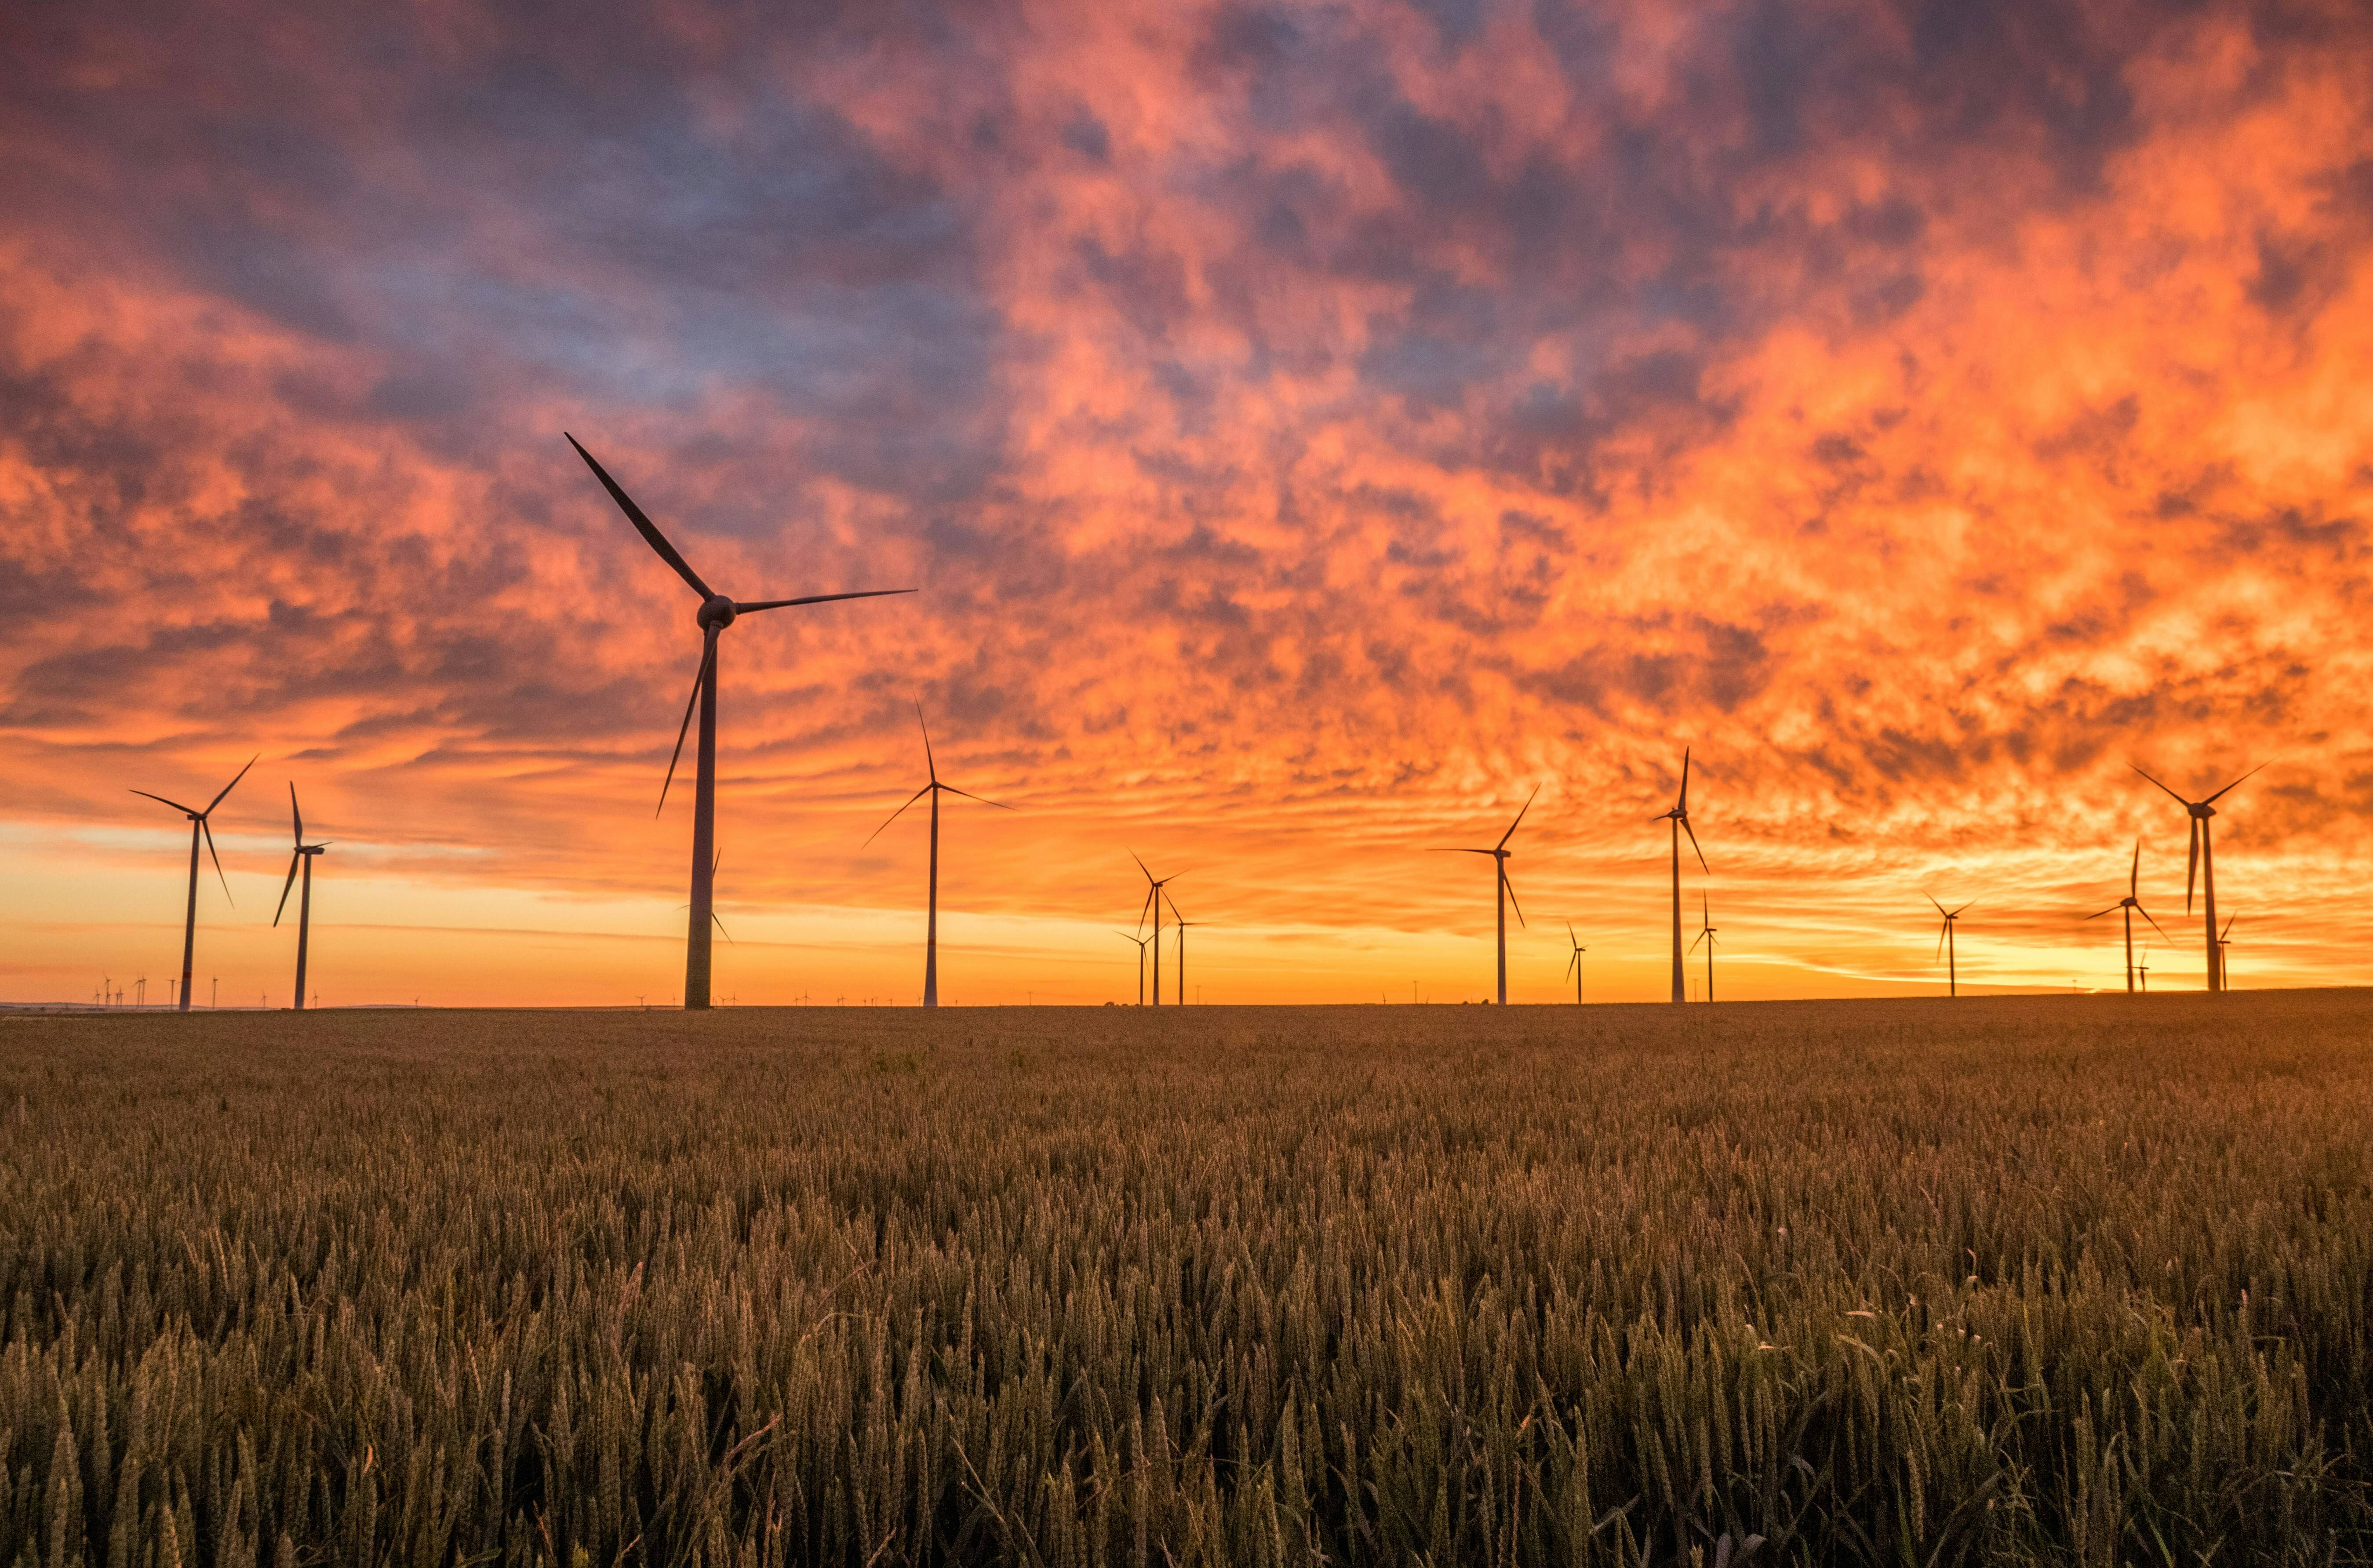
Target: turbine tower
1141, 944
717, 613
2223, 980
2133, 905
198, 826
1153, 897
931, 920
1705, 935
1574, 965
1679, 817
1506, 894
2203, 866
1945, 947
302, 856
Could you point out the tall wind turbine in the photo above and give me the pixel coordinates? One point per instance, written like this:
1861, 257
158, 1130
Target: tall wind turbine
1945, 948
1505, 895
1141, 944
717, 613
1574, 965
302, 856
1679, 817
2133, 905
197, 826
1705, 935
931, 921
1153, 897
2204, 865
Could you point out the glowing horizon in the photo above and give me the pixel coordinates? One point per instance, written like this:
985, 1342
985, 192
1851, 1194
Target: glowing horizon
1311, 428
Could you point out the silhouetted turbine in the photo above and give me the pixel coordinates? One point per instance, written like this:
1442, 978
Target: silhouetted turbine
2202, 864
2223, 942
303, 855
1179, 923
198, 826
1679, 817
1141, 944
1505, 893
931, 921
1705, 935
1574, 965
1153, 897
717, 613
2133, 905
1945, 947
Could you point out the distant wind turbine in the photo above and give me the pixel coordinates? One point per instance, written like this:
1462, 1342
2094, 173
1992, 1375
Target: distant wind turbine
2133, 905
717, 613
197, 826
2142, 969
1705, 935
931, 920
1574, 965
1505, 893
1945, 946
1679, 817
303, 855
1142, 942
1179, 923
1153, 897
2223, 978
2203, 864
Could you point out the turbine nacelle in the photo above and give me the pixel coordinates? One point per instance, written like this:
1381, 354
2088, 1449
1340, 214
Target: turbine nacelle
716, 613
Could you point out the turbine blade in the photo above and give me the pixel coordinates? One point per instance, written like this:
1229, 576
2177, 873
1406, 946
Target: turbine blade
1142, 866
2170, 794
175, 805
643, 525
706, 655
1147, 905
2111, 910
1932, 899
1940, 937
720, 926
1693, 946
1520, 817
2192, 869
1492, 852
1956, 914
2135, 876
894, 816
285, 887
2229, 927
295, 817
818, 599
2154, 925
1682, 805
931, 762
251, 763
209, 835
1693, 847
1572, 961
984, 799
2236, 784
1511, 886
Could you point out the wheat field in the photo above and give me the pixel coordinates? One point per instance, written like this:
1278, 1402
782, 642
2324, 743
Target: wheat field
2076, 1279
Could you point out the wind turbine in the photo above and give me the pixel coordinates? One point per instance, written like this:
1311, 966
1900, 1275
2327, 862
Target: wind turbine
1574, 965
2204, 863
1679, 817
2223, 980
1179, 923
1153, 897
2144, 969
303, 855
717, 613
197, 826
931, 921
1945, 946
1141, 944
1506, 894
2133, 905
1705, 935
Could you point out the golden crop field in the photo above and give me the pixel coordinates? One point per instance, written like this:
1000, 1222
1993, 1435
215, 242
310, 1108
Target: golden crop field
2080, 1279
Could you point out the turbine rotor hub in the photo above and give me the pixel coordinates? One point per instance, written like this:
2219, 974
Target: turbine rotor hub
2204, 811
716, 613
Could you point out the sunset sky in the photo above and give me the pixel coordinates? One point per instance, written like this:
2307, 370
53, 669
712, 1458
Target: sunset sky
1310, 427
